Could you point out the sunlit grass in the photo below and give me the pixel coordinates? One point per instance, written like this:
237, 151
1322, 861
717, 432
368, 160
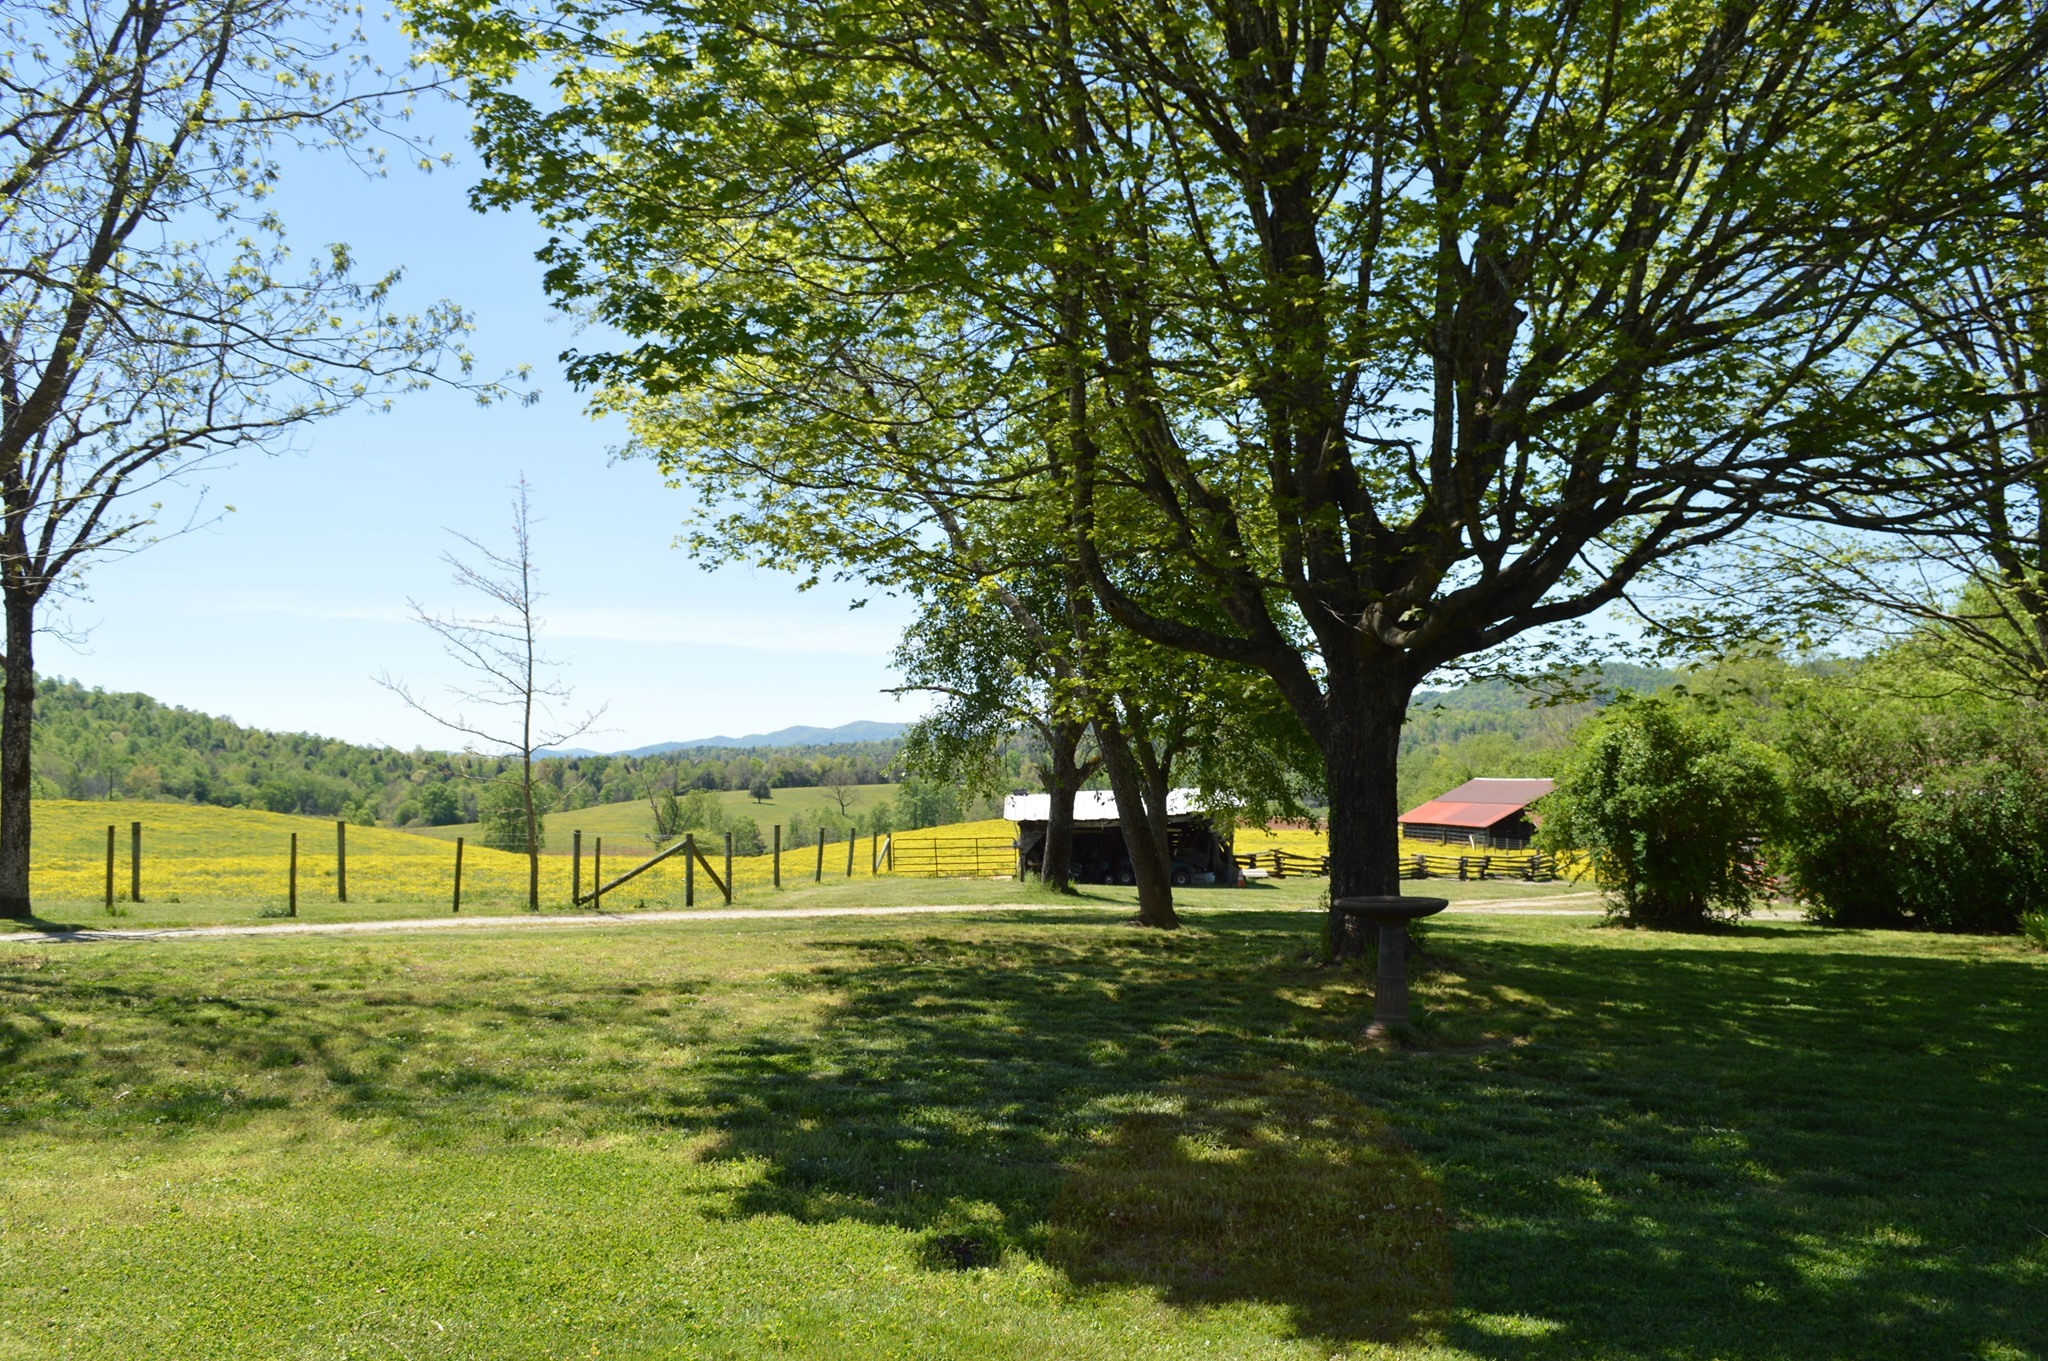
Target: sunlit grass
1053, 1136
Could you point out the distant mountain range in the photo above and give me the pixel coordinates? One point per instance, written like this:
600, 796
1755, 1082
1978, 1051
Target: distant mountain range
799, 736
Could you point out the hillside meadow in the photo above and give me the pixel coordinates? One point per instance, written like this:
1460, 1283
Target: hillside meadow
635, 820
1024, 1135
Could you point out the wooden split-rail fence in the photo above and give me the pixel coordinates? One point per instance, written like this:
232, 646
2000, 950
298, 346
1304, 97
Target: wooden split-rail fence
1534, 866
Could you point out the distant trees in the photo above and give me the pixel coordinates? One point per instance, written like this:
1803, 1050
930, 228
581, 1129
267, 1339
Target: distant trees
1674, 809
512, 814
438, 805
151, 319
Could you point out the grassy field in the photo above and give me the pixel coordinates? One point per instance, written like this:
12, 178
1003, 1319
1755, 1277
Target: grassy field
1050, 1135
661, 889
636, 819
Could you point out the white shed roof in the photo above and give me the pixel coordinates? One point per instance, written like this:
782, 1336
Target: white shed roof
1091, 805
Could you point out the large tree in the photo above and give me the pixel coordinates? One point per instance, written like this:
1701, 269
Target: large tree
151, 319
1405, 329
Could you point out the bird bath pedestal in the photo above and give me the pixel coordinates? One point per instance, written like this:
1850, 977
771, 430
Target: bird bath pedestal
1391, 913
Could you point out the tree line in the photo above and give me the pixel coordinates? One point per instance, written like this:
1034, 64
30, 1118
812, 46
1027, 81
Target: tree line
97, 744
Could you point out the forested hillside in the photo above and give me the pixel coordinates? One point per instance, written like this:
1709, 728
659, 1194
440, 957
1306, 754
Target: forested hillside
95, 744
1491, 728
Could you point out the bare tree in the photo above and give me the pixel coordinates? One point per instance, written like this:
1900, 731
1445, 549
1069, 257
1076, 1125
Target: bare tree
839, 783
151, 319
509, 678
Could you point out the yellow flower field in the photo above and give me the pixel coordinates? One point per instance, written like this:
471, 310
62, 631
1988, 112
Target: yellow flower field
206, 854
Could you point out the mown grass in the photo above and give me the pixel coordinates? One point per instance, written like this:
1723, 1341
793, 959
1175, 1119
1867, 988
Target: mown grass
1028, 1136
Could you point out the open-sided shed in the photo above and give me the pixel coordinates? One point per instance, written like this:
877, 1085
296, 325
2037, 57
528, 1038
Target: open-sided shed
1201, 853
1483, 812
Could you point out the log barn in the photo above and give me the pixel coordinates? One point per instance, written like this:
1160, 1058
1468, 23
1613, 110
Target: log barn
1487, 813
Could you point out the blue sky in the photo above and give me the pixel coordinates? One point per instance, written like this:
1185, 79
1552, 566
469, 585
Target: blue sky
282, 613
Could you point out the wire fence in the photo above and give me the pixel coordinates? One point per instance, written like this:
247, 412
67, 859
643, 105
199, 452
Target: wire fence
287, 866
284, 865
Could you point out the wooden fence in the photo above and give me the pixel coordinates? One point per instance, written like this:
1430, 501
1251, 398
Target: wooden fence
1534, 866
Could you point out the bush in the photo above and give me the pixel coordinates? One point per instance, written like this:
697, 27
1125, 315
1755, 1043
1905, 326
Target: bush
501, 809
1906, 814
1671, 807
2034, 926
746, 836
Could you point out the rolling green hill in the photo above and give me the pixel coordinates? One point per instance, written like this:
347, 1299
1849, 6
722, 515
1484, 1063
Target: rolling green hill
93, 744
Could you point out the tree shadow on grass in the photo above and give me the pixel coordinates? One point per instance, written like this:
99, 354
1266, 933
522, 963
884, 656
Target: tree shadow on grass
1760, 1146
1680, 1147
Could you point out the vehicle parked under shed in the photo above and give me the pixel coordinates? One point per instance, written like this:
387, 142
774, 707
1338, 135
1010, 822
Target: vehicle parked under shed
1200, 853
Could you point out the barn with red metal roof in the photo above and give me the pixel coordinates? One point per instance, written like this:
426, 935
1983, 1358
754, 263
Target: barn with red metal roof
1490, 813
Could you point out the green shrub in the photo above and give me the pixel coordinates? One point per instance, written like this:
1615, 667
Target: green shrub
1671, 807
2034, 926
1906, 813
501, 808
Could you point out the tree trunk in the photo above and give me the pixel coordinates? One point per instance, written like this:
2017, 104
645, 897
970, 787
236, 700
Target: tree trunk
1062, 783
532, 834
17, 773
1134, 819
1361, 761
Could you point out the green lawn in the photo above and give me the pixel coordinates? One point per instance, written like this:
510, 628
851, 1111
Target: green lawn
1026, 1135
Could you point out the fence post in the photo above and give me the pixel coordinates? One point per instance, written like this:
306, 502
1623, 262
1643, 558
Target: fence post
1461, 868
134, 862
728, 869
889, 854
778, 855
851, 838
597, 875
1421, 868
292, 881
690, 869
821, 856
110, 867
575, 869
340, 859
874, 854
458, 874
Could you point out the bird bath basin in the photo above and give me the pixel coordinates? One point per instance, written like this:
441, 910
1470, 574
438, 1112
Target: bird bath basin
1391, 913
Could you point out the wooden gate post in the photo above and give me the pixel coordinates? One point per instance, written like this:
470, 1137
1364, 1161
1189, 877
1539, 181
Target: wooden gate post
134, 862
690, 869
341, 860
778, 855
458, 874
728, 868
821, 855
597, 875
851, 839
110, 867
291, 904
575, 869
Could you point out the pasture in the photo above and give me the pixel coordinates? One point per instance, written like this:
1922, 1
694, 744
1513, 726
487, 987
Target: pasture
635, 819
1023, 1135
204, 865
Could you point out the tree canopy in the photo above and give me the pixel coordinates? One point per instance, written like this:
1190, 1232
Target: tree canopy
1384, 334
